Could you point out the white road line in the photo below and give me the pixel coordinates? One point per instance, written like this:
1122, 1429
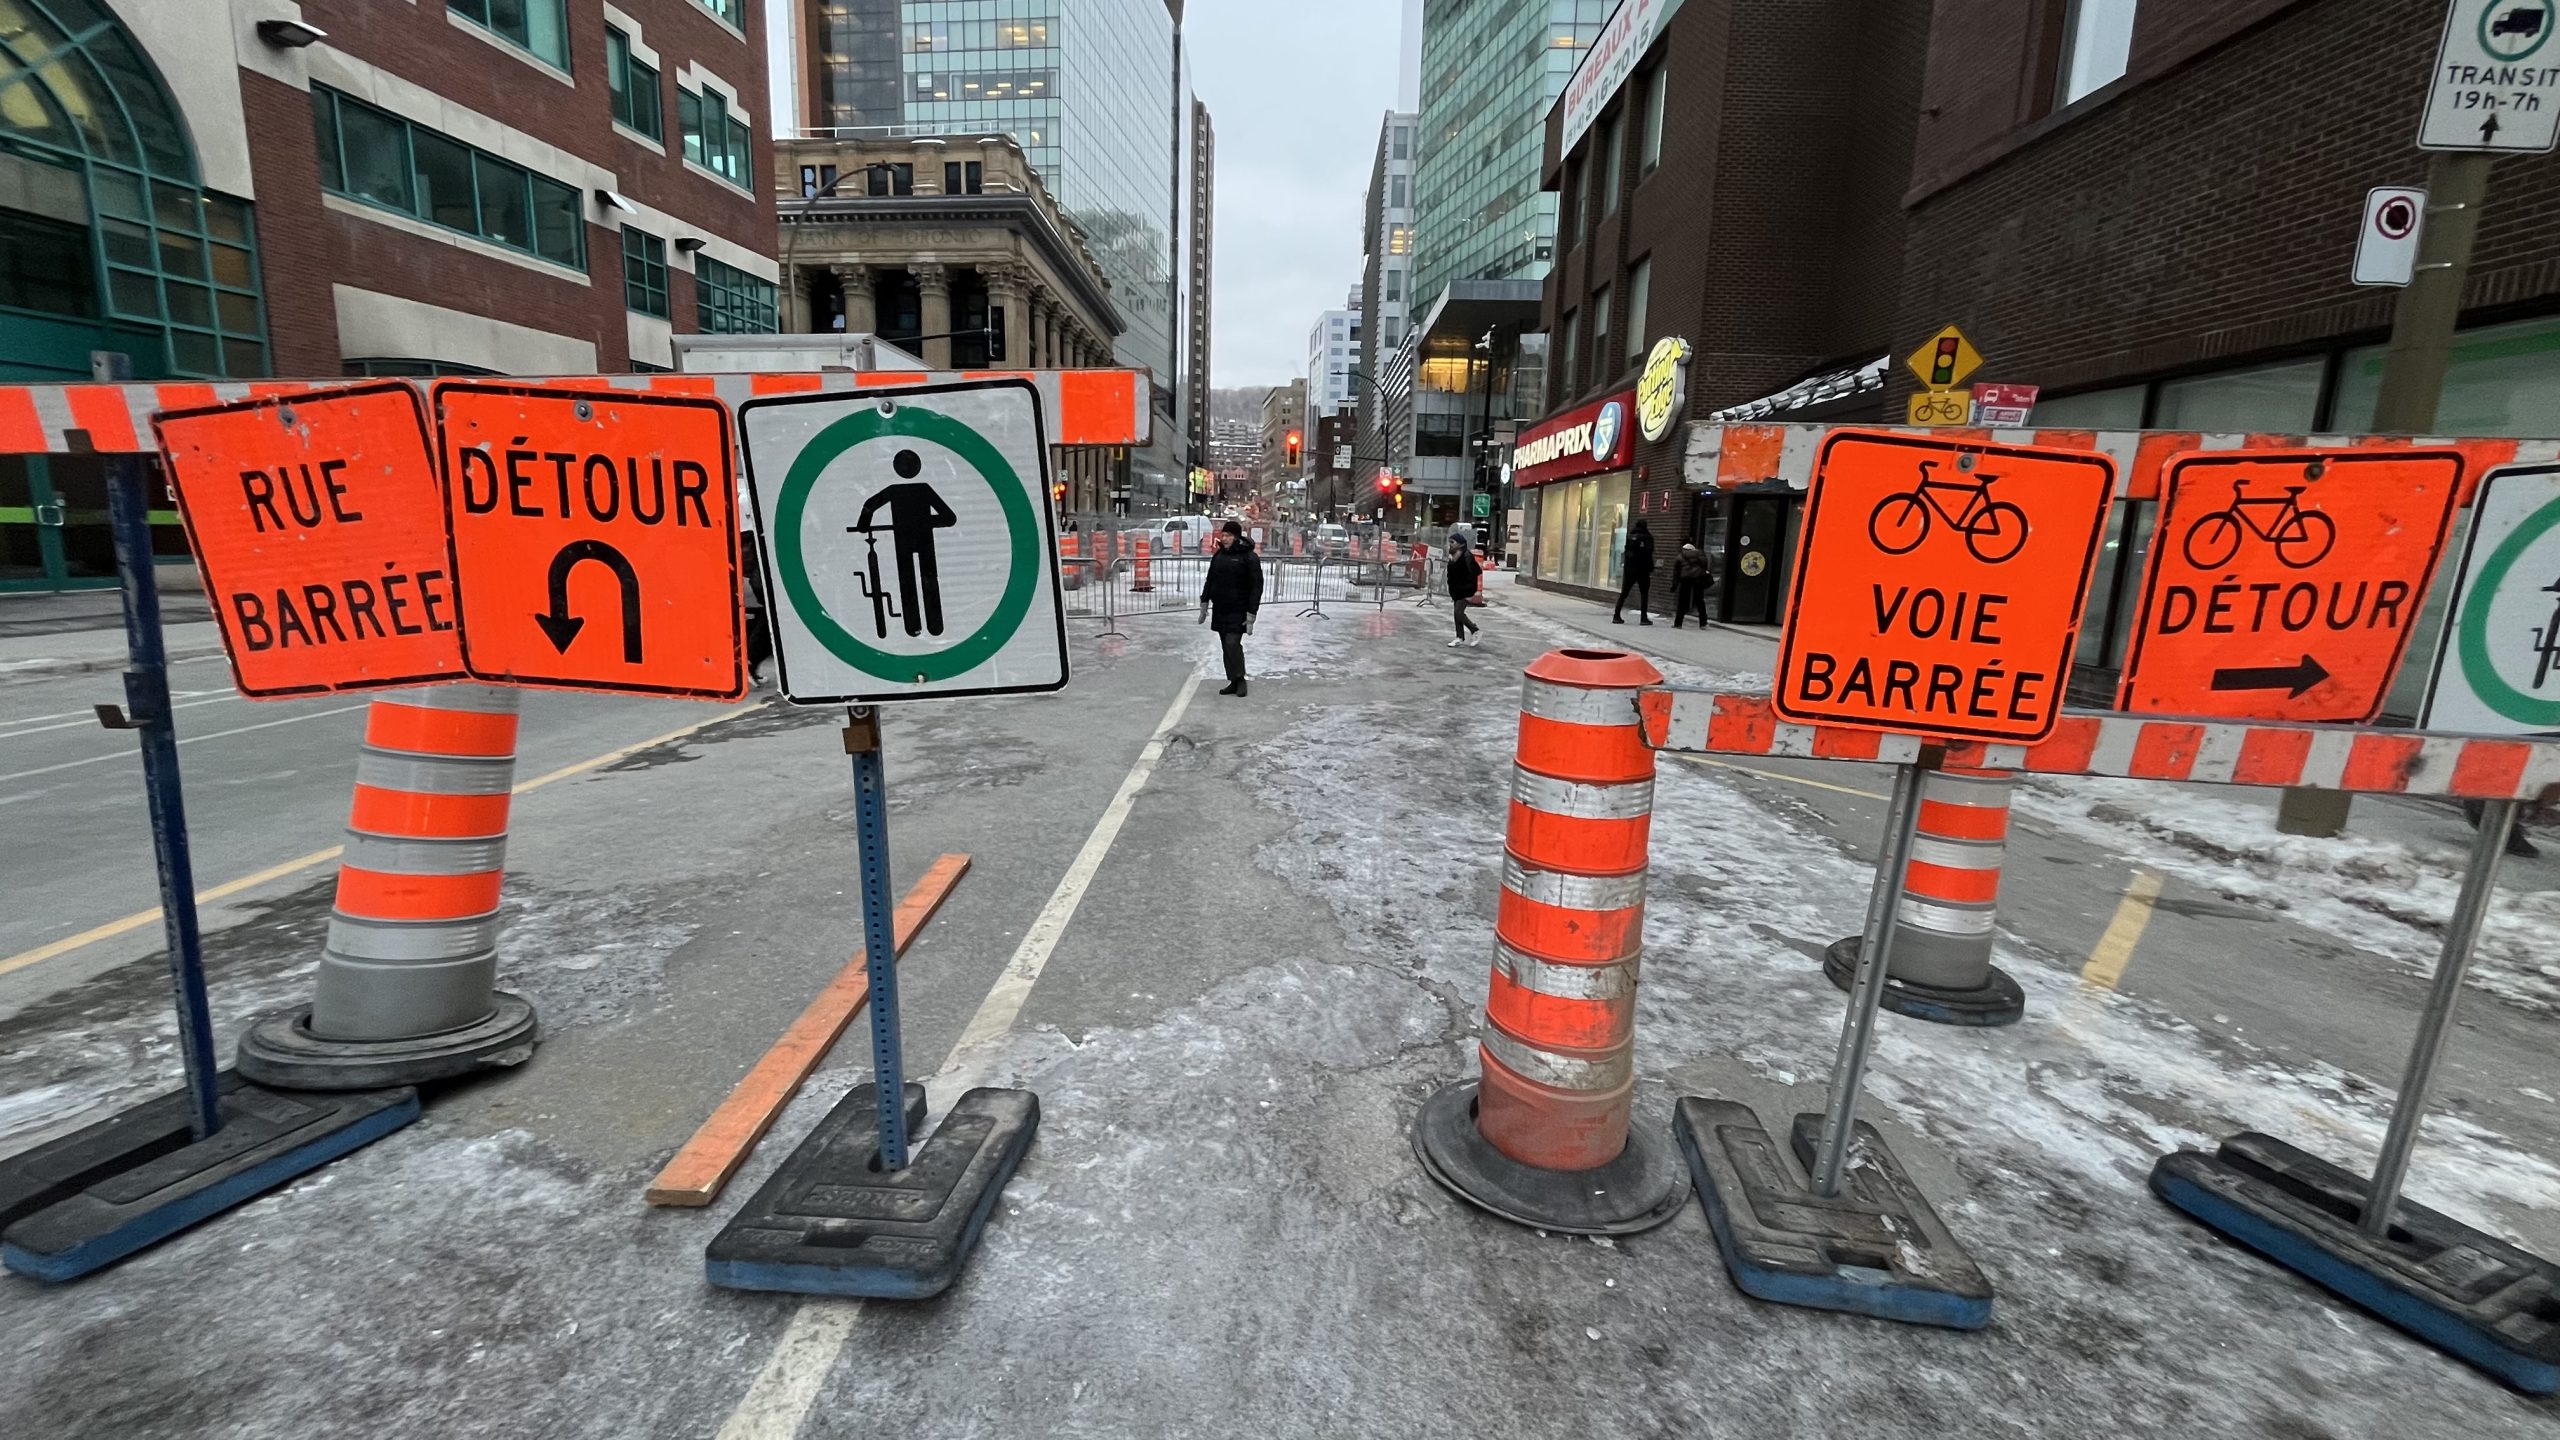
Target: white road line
777, 1404
183, 740
73, 720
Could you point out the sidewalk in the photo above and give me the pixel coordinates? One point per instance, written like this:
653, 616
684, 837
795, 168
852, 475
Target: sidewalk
71, 632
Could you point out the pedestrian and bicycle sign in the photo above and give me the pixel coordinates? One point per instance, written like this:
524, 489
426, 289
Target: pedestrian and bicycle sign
1940, 585
2285, 584
594, 537
2497, 666
316, 521
2496, 82
907, 542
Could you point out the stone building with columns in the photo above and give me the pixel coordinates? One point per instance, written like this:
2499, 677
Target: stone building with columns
950, 248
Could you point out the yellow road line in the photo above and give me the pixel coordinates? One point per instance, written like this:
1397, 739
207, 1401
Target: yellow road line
229, 888
1782, 775
2115, 948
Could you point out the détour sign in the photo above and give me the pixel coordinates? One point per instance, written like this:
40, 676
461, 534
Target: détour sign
1583, 441
1610, 60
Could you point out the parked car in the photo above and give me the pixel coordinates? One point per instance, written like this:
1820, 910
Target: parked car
1333, 542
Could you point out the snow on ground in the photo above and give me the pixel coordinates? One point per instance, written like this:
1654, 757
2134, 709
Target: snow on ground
2381, 894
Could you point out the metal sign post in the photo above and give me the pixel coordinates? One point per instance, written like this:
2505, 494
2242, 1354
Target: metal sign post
1866, 992
146, 693
880, 954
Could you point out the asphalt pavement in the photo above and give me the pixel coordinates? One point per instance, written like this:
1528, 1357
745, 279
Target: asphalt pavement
1231, 1005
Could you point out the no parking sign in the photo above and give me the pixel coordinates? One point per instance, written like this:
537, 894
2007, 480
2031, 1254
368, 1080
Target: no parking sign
907, 543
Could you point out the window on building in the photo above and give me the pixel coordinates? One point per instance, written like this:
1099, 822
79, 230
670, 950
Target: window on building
1600, 333
1399, 239
733, 11
963, 177
729, 301
1400, 143
377, 157
817, 180
1639, 306
1397, 195
2503, 380
712, 139
636, 102
2097, 41
538, 27
1569, 200
2116, 409
1565, 383
644, 272
1394, 285
1613, 153
1657, 92
891, 180
407, 366
2281, 397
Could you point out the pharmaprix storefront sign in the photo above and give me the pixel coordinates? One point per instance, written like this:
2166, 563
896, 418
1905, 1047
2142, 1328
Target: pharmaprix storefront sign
1585, 441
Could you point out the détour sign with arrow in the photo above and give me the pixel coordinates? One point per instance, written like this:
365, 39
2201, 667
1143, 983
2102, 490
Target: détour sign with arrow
2285, 584
594, 538
907, 542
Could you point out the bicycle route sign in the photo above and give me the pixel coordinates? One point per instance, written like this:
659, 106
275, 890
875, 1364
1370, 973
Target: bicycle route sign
2497, 669
1939, 586
908, 548
2285, 584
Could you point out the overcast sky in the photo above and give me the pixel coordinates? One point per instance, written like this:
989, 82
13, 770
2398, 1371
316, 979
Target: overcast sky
1296, 89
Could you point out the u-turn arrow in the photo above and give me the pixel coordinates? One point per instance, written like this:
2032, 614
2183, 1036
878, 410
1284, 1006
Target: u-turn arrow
562, 626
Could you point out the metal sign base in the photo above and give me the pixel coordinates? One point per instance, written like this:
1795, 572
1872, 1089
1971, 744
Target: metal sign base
852, 1211
90, 1198
1856, 1235
1874, 1249
2486, 1301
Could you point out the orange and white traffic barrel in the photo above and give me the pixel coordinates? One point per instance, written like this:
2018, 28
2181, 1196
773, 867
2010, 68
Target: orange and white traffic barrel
1941, 968
1545, 1136
406, 989
1144, 581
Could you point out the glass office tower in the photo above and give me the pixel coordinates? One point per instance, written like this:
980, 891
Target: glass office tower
1085, 86
1490, 74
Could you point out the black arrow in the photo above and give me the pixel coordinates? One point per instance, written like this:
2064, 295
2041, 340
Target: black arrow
2489, 128
562, 626
2292, 679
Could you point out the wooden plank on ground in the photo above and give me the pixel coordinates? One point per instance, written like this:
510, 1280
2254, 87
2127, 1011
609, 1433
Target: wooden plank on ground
706, 1162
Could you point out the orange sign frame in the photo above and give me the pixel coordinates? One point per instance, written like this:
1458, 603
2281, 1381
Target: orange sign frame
1926, 603
2267, 569
317, 524
594, 536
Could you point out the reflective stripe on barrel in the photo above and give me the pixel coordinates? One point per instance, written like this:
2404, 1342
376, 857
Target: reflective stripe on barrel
1558, 1047
413, 931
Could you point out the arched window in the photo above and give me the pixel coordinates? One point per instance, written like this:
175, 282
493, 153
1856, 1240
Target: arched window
108, 240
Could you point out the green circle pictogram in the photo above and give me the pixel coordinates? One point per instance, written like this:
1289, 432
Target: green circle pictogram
1021, 582
2500, 12
2472, 642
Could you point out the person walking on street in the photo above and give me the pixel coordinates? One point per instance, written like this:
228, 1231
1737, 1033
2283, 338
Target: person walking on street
1636, 563
1465, 573
1230, 598
1690, 582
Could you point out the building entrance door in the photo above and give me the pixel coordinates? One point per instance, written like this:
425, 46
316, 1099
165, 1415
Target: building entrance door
1755, 558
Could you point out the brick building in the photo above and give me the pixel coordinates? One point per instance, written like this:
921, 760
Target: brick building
1729, 172
232, 188
2146, 207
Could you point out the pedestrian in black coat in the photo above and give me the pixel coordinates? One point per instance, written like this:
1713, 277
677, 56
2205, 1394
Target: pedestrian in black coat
1636, 563
1230, 598
1466, 572
1691, 578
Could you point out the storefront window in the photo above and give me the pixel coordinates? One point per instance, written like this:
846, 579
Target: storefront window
2279, 398
2137, 526
2117, 409
2504, 380
1582, 529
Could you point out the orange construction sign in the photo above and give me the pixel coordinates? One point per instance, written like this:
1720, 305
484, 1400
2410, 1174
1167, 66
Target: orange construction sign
317, 524
1939, 584
2284, 584
595, 538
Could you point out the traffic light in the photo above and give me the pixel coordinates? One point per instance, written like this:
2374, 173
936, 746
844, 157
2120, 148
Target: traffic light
1058, 493
1942, 369
1294, 439
1390, 484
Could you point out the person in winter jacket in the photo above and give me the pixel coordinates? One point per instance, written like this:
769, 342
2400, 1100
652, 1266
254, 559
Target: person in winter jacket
1230, 598
1466, 572
1691, 579
1636, 563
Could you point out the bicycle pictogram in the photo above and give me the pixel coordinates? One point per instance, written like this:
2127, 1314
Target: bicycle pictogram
1994, 530
1940, 407
2302, 538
